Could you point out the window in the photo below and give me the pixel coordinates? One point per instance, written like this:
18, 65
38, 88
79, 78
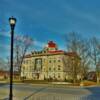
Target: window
24, 62
49, 61
44, 69
44, 60
59, 75
32, 62
38, 64
58, 60
54, 75
54, 69
50, 69
44, 51
59, 67
54, 61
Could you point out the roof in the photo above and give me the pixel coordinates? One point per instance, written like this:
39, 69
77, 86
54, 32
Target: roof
7, 72
28, 56
71, 53
51, 44
56, 51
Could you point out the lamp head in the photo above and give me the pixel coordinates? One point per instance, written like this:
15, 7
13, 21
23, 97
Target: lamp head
12, 22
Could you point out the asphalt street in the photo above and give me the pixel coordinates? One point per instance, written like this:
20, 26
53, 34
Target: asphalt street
95, 93
42, 92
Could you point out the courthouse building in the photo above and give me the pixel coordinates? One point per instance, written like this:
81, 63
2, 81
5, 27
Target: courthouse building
46, 64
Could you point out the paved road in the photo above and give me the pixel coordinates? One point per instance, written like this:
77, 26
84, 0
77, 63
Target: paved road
95, 93
20, 90
37, 92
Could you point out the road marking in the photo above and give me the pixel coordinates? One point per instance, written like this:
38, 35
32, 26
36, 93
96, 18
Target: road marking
26, 98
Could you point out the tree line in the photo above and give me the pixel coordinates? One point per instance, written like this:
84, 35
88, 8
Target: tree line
88, 50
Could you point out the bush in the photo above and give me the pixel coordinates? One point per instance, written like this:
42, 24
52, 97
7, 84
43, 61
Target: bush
69, 80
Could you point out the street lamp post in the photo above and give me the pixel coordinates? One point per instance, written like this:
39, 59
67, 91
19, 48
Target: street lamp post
12, 22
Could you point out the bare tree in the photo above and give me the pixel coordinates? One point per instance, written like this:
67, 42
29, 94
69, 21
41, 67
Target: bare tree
76, 44
2, 64
83, 52
72, 62
95, 54
22, 44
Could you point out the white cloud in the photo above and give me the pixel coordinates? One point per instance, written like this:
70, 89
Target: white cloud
4, 33
36, 44
39, 44
6, 47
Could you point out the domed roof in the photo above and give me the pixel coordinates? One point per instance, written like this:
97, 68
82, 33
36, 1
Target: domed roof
51, 44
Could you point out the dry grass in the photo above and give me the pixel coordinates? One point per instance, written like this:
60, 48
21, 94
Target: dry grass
88, 83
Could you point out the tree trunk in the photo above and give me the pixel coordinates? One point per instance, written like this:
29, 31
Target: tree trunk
98, 78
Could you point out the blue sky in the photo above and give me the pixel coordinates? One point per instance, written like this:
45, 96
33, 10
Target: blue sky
46, 20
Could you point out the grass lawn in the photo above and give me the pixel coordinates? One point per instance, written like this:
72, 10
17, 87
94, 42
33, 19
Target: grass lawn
88, 83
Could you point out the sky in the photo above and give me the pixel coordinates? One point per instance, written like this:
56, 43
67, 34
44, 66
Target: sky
45, 20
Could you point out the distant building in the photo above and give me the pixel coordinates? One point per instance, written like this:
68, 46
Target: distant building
46, 64
6, 75
92, 76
